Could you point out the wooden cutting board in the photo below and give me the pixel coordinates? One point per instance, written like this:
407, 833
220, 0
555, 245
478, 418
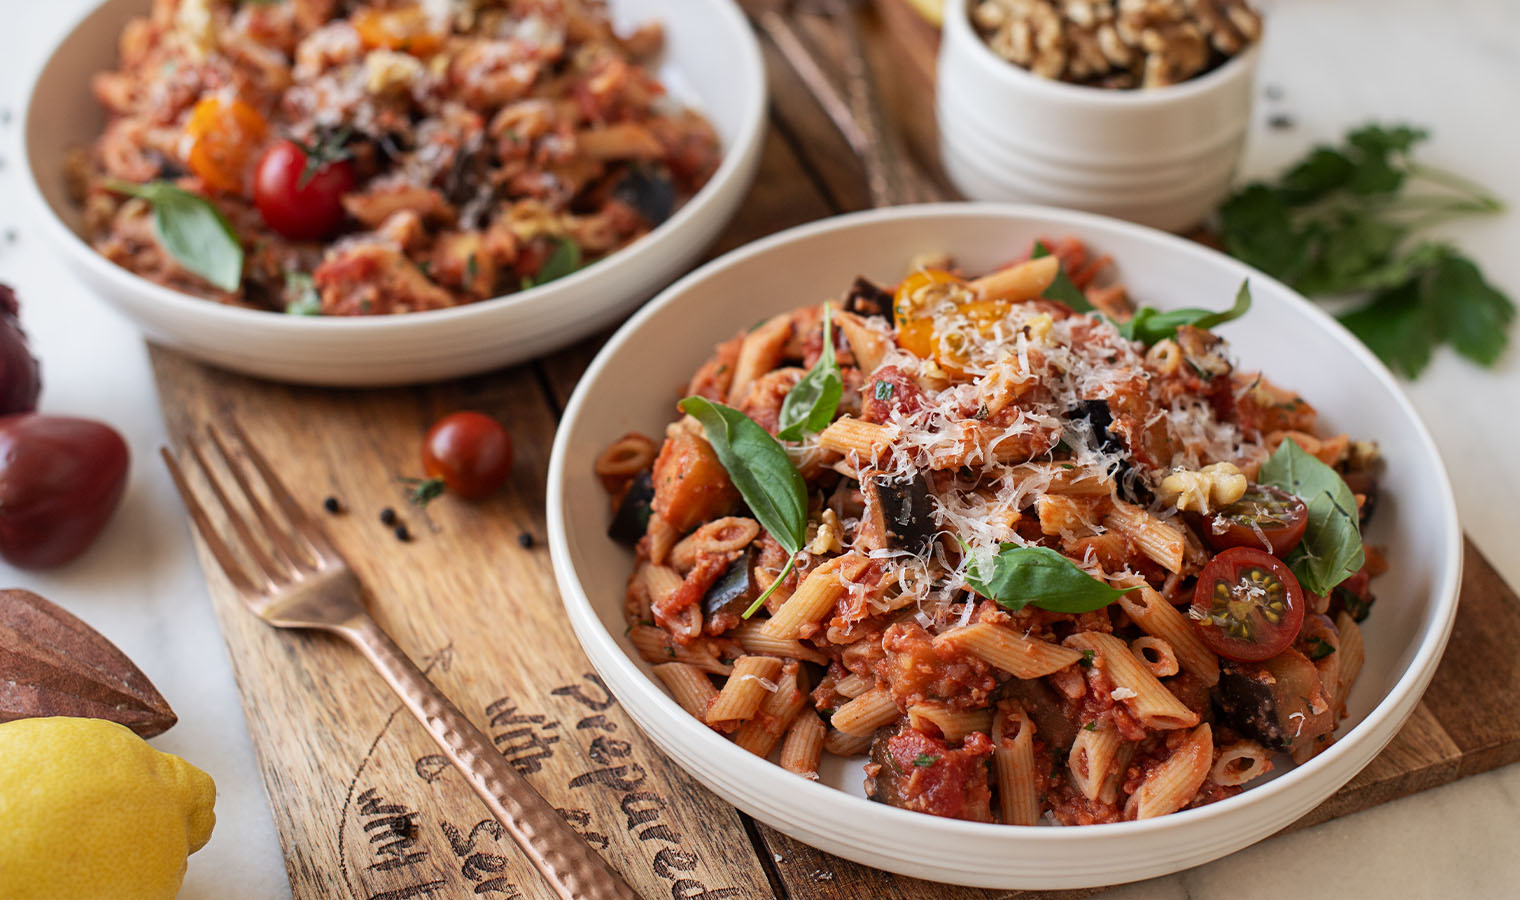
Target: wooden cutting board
364, 806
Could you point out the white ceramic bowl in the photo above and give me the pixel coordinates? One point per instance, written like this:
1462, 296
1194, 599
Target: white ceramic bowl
1161, 157
711, 61
632, 385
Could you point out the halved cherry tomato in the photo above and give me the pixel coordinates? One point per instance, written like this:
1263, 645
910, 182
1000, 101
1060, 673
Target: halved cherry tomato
1263, 512
223, 134
1247, 606
300, 205
911, 310
407, 30
469, 454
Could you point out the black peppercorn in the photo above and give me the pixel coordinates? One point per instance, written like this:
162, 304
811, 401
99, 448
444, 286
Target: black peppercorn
387, 516
332, 505
525, 540
402, 534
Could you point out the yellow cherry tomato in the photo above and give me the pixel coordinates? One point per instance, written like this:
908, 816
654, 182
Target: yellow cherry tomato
910, 309
405, 30
223, 135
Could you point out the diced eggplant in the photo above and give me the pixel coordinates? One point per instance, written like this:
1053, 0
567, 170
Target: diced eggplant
632, 517
902, 514
866, 298
1098, 417
733, 590
1279, 702
1043, 705
649, 190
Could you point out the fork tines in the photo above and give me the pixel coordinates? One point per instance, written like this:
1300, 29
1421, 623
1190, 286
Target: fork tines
273, 553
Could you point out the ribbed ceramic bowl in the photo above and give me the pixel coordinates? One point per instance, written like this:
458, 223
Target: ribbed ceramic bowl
1162, 157
711, 61
632, 386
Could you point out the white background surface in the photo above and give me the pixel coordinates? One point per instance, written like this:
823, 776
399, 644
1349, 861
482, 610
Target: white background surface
1453, 66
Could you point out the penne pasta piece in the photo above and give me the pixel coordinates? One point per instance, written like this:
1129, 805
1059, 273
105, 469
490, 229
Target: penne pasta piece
802, 748
657, 646
813, 599
954, 724
729, 534
627, 456
1159, 619
868, 345
1065, 514
1134, 685
752, 637
853, 685
1091, 759
841, 744
1057, 478
660, 582
1351, 653
847, 435
1015, 654
760, 734
688, 685
761, 352
1013, 761
866, 713
1173, 784
1156, 655
1155, 538
662, 537
1241, 762
752, 680
1118, 773
1024, 281
621, 140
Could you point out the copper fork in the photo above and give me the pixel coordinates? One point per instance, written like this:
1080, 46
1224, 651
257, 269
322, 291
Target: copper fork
298, 580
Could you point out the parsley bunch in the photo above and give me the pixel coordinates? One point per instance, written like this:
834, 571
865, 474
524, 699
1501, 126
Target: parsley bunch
1344, 220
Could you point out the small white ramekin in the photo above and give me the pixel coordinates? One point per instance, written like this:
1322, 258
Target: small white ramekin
1162, 157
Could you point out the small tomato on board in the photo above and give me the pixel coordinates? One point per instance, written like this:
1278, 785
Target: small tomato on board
60, 480
468, 454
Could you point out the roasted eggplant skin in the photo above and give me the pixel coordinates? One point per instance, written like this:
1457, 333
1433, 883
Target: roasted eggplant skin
632, 517
733, 590
906, 515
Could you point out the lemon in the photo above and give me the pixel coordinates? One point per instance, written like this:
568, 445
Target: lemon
89, 811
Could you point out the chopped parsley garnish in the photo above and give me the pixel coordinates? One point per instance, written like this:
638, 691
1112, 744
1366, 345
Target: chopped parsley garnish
1090, 726
884, 390
924, 759
1086, 661
1319, 648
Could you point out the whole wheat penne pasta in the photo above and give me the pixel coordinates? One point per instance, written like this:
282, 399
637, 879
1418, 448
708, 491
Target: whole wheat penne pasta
688, 685
627, 456
752, 637
621, 140
1173, 784
954, 724
1013, 761
1010, 651
1134, 685
726, 535
1352, 653
847, 745
1118, 773
657, 646
802, 748
1155, 538
847, 435
811, 601
866, 713
760, 734
854, 684
1156, 655
1241, 762
1091, 758
1024, 281
868, 345
1158, 618
752, 680
761, 352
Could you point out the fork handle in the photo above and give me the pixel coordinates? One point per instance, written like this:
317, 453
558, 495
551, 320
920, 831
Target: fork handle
561, 856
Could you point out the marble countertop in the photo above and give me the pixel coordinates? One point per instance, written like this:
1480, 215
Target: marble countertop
1453, 67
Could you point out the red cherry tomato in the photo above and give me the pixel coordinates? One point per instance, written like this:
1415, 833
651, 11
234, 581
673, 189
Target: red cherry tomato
60, 480
470, 454
1247, 606
301, 207
1263, 512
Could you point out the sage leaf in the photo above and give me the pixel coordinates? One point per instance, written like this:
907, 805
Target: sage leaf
1016, 577
1063, 288
192, 230
1331, 550
758, 466
1150, 325
810, 405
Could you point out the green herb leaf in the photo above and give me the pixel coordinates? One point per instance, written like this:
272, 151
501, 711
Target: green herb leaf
1150, 325
1331, 550
810, 405
565, 259
301, 295
1399, 327
192, 230
1063, 288
884, 390
1480, 316
1319, 648
758, 466
924, 760
1090, 726
1021, 576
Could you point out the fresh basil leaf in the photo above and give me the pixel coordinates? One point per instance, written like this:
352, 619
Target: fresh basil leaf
301, 295
758, 466
811, 403
1150, 325
192, 230
565, 259
1062, 289
1331, 550
1021, 576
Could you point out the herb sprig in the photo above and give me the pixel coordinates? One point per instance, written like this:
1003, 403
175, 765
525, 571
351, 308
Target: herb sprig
810, 405
1346, 220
